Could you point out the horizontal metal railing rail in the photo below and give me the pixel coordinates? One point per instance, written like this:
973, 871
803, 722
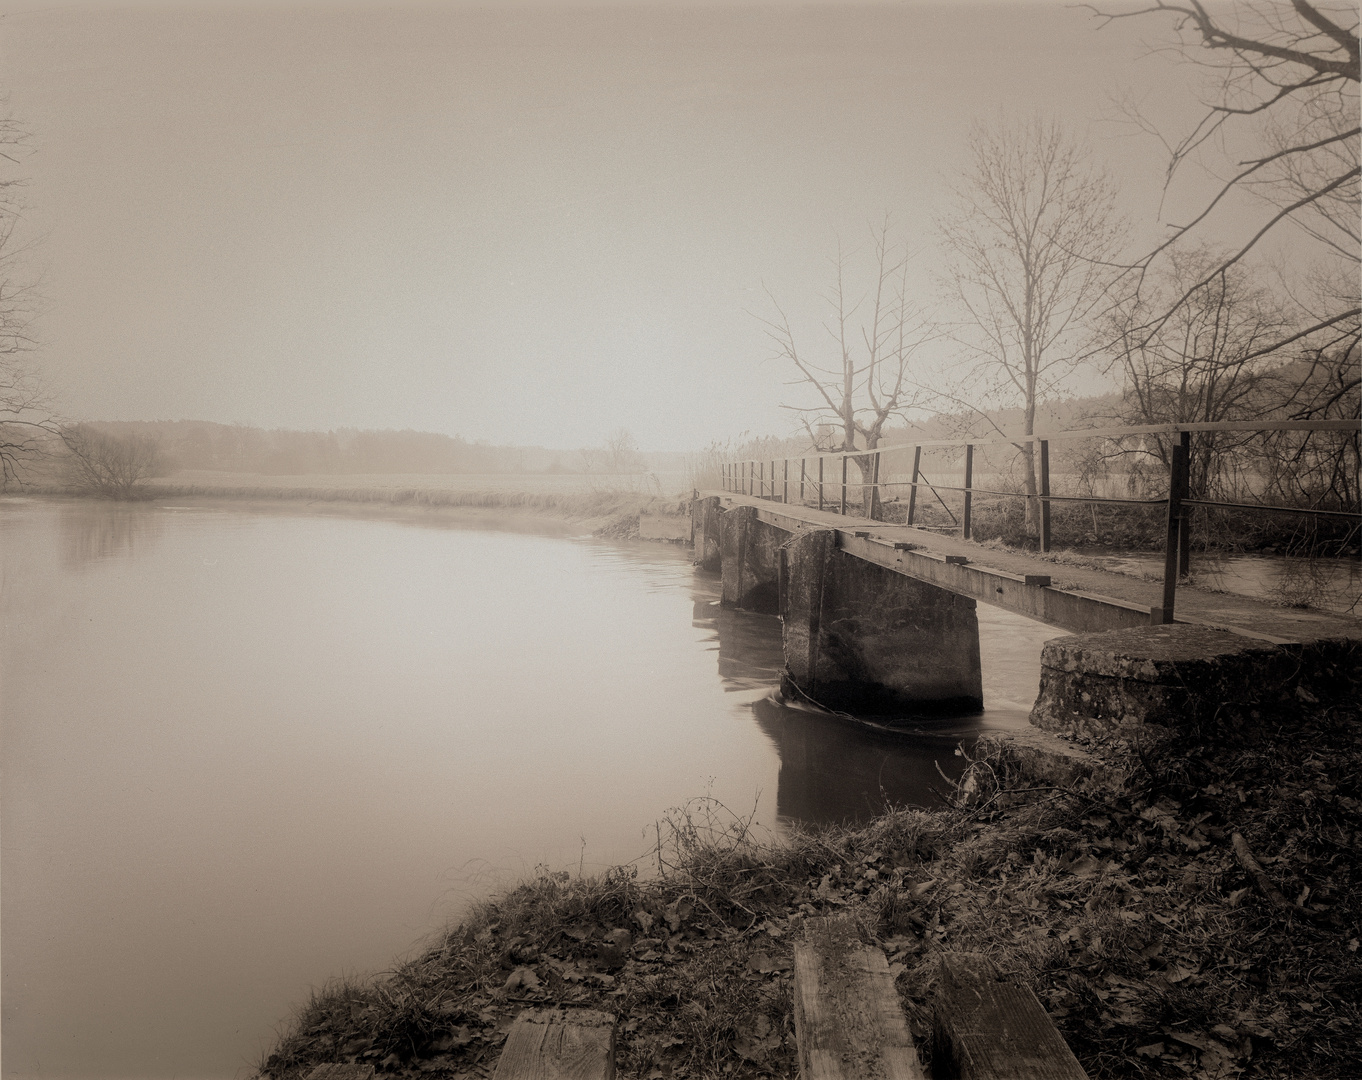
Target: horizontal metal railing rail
750, 477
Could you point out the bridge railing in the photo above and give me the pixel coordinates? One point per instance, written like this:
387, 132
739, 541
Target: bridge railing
823, 480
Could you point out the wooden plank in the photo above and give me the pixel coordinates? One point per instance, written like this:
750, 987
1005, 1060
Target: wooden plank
339, 1071
559, 1044
847, 1017
988, 1029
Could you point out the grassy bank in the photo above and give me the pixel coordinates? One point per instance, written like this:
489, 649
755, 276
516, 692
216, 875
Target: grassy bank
1144, 528
1128, 912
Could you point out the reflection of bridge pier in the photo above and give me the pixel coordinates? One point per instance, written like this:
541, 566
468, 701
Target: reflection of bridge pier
831, 769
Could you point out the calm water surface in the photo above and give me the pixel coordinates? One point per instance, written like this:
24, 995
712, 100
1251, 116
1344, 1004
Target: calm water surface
246, 752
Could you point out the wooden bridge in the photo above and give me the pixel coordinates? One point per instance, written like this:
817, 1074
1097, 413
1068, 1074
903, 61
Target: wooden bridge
879, 618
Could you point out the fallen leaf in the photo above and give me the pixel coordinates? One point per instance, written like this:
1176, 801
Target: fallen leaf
521, 978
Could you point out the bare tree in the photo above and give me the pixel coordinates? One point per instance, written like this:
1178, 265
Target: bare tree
621, 451
1284, 80
866, 379
110, 465
26, 423
1027, 243
1205, 363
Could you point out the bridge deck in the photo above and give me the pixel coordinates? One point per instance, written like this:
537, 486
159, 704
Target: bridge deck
1079, 599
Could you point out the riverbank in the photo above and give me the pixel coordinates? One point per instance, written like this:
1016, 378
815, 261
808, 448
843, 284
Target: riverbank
1132, 913
611, 512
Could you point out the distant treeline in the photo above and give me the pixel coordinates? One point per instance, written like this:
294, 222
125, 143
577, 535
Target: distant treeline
199, 444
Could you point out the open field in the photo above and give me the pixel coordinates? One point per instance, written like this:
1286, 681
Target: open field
209, 481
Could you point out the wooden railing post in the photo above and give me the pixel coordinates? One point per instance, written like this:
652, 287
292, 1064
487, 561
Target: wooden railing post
912, 488
803, 462
785, 492
820, 481
1044, 494
1177, 491
844, 485
1185, 530
969, 495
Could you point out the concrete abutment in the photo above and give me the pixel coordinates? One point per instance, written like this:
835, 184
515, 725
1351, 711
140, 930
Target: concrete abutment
861, 638
704, 525
1161, 685
750, 554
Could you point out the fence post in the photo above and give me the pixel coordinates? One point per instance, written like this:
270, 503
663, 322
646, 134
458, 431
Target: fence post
820, 481
785, 492
875, 489
969, 495
802, 463
1185, 530
1044, 494
912, 490
773, 480
844, 485
1177, 491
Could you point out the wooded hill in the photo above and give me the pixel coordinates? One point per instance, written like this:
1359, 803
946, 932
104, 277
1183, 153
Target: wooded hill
201, 444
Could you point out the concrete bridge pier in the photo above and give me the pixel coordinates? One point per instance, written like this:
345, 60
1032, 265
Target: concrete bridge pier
704, 525
750, 550
862, 638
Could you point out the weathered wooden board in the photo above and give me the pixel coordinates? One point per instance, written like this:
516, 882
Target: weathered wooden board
988, 1029
339, 1071
559, 1044
847, 1016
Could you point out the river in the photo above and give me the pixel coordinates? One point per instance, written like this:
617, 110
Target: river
248, 751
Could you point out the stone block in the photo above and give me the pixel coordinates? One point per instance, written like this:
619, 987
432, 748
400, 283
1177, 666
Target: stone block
1031, 756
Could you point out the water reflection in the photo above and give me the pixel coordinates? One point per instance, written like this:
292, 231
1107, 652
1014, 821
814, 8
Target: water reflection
91, 532
246, 751
832, 769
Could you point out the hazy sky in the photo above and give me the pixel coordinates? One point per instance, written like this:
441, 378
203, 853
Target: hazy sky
528, 223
